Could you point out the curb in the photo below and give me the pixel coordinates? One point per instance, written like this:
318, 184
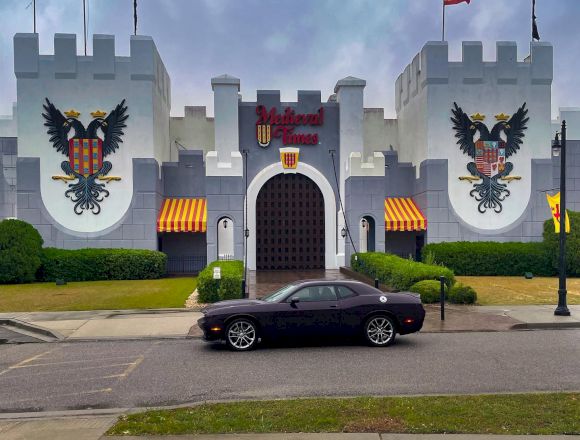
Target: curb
67, 413
545, 326
31, 328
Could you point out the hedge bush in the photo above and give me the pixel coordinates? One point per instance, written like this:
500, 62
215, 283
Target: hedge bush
429, 290
397, 272
228, 287
462, 294
492, 258
552, 241
101, 264
20, 248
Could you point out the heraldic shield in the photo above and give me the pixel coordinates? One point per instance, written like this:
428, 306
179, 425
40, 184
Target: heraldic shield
289, 157
85, 155
490, 157
264, 134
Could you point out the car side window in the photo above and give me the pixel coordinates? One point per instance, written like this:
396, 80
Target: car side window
315, 293
344, 292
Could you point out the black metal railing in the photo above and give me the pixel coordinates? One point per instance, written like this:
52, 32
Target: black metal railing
186, 264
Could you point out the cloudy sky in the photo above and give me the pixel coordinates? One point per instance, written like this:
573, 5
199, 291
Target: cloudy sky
297, 44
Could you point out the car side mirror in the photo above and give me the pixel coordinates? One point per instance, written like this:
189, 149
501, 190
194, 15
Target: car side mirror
294, 300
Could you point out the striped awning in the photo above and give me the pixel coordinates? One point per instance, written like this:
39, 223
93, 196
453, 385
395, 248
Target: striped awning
182, 215
402, 214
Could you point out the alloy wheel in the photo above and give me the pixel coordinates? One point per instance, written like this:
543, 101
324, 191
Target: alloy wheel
241, 335
380, 330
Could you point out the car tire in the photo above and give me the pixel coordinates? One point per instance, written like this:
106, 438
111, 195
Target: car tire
380, 331
241, 334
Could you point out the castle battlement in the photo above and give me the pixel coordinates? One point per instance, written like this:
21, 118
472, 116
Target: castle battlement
373, 167
432, 66
143, 63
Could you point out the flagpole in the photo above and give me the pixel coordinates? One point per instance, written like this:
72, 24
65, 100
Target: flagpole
85, 26
34, 13
135, 16
443, 27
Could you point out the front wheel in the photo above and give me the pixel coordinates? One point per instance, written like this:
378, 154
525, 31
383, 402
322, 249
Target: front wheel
380, 331
241, 335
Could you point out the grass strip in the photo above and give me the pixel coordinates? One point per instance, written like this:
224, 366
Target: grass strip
96, 295
516, 414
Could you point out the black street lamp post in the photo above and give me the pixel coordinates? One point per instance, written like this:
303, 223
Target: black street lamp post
559, 148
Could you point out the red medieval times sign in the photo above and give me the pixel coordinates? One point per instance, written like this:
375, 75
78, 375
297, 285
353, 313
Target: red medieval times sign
271, 124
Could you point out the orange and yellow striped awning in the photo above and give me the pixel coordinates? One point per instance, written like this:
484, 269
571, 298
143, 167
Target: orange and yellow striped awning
402, 214
182, 215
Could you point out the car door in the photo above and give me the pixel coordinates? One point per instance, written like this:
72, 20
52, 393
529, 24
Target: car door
315, 314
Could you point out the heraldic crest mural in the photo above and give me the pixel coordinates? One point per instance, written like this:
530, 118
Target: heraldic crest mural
86, 151
490, 168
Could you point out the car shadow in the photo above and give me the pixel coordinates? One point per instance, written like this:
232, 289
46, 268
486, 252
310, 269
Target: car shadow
282, 344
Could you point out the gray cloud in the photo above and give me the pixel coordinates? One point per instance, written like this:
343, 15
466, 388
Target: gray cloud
299, 44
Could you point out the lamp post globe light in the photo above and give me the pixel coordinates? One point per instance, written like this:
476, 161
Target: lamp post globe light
559, 149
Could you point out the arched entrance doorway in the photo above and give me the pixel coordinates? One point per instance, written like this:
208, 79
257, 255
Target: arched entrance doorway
290, 224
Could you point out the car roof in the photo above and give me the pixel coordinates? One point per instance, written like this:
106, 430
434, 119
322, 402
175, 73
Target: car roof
365, 287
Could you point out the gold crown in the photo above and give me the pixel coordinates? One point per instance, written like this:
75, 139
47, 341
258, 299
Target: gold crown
98, 114
477, 117
502, 117
72, 113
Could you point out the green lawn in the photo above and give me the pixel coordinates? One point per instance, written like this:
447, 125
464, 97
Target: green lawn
557, 413
517, 290
97, 295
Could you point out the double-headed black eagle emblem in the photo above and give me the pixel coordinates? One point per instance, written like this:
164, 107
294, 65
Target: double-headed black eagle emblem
85, 151
490, 153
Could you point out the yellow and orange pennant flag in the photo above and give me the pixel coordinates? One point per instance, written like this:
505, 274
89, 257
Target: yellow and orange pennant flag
554, 202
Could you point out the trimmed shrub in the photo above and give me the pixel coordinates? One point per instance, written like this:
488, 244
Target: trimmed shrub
552, 242
462, 294
492, 258
397, 272
20, 247
430, 291
228, 287
101, 264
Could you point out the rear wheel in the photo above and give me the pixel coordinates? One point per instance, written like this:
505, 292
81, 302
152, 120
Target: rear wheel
241, 335
380, 331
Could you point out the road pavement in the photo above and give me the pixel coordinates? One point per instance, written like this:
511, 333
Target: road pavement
126, 374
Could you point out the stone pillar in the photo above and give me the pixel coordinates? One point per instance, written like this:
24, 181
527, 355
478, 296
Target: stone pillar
226, 89
349, 95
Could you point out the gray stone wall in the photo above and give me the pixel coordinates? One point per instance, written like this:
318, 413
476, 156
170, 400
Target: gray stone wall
364, 196
8, 154
225, 198
185, 178
137, 230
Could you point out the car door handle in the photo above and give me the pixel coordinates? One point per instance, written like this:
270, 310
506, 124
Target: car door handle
334, 306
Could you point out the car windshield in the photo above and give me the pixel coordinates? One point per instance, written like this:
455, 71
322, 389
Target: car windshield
278, 294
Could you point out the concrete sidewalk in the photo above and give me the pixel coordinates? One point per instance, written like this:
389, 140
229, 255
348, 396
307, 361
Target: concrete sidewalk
94, 428
181, 323
115, 324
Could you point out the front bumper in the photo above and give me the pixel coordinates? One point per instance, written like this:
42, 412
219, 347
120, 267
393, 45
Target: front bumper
213, 329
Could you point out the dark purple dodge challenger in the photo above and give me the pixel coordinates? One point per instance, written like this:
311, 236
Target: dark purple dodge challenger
314, 309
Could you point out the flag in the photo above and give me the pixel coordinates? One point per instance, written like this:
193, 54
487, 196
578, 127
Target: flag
454, 2
554, 202
535, 33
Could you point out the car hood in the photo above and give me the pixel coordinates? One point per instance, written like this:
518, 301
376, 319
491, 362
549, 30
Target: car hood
232, 303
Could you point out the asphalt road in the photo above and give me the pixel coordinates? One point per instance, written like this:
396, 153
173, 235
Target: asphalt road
36, 377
